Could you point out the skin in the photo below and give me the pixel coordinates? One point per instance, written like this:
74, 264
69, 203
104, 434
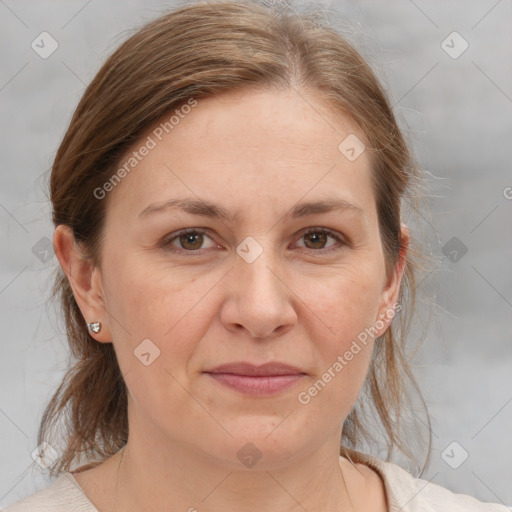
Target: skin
258, 152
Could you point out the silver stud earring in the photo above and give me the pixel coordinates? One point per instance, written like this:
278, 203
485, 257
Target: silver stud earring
94, 327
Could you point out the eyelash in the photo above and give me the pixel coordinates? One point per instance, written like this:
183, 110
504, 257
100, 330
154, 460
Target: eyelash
166, 244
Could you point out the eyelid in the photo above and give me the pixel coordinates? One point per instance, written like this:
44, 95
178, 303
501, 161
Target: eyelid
166, 241
340, 239
329, 232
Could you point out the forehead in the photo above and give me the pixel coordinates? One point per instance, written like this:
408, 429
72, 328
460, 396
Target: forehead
250, 149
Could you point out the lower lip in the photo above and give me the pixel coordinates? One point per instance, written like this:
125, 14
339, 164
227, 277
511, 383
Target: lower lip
257, 385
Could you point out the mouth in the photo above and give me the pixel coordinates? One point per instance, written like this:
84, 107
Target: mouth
256, 385
266, 379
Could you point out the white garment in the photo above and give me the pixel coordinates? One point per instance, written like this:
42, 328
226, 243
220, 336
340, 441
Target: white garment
404, 493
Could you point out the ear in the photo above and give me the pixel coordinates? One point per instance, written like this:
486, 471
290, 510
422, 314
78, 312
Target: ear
389, 305
85, 281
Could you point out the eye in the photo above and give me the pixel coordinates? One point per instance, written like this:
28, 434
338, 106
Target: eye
188, 240
191, 241
316, 239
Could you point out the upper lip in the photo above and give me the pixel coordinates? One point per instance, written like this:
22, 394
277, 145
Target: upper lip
243, 368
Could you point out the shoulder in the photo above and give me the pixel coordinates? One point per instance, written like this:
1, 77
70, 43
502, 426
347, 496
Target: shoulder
411, 492
406, 493
62, 495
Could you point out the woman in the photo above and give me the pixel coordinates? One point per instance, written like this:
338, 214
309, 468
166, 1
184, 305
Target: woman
227, 211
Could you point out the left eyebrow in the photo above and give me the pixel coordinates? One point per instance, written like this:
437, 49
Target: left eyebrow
326, 206
209, 209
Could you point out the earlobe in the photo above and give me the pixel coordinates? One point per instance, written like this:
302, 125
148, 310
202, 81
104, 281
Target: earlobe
85, 281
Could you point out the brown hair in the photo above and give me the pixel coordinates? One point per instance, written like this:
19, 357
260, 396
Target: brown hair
197, 51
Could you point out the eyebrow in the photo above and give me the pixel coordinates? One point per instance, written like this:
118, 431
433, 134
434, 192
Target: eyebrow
208, 209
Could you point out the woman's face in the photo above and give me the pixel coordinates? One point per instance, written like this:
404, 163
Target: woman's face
263, 275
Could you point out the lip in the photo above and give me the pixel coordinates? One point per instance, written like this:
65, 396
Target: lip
248, 369
266, 379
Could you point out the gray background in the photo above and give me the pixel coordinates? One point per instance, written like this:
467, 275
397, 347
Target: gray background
457, 114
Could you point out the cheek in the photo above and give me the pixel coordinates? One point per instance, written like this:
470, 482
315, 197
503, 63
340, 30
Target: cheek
171, 309
347, 307
344, 355
149, 301
158, 322
347, 302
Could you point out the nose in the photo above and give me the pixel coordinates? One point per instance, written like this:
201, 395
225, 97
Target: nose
259, 300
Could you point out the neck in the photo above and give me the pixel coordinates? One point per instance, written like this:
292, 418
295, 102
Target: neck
186, 480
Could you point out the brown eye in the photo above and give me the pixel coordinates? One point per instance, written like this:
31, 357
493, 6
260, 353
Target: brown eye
191, 241
317, 238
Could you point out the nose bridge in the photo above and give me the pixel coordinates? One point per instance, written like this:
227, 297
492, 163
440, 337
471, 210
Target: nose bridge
255, 267
262, 300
